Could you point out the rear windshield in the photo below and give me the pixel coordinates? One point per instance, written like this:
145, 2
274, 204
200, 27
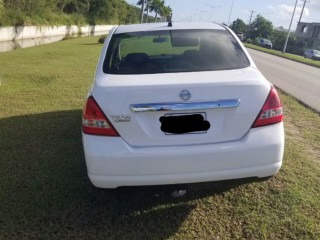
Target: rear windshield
173, 51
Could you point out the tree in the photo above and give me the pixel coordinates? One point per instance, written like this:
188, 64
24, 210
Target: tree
147, 9
155, 6
260, 27
141, 3
132, 15
66, 12
74, 6
165, 12
1, 8
278, 39
239, 26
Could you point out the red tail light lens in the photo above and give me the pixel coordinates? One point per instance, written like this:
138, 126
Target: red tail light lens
271, 111
94, 121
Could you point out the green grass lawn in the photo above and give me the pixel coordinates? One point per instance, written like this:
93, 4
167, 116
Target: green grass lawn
45, 192
293, 57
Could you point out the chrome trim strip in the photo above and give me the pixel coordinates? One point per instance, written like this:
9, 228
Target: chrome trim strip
184, 106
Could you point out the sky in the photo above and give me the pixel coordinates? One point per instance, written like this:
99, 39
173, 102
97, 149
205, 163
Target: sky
279, 12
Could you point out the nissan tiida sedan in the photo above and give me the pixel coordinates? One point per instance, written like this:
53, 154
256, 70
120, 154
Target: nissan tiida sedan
179, 103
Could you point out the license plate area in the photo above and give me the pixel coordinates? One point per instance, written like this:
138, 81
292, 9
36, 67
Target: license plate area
184, 123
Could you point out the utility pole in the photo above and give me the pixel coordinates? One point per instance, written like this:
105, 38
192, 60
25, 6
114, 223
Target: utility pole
304, 4
212, 7
230, 12
249, 26
201, 12
285, 44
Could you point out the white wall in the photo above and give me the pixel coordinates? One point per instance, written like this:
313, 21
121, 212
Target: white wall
27, 32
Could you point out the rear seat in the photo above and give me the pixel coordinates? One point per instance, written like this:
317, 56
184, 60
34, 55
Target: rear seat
135, 60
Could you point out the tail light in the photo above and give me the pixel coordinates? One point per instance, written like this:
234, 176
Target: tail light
271, 111
94, 121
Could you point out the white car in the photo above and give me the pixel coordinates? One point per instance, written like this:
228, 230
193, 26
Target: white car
179, 103
312, 54
265, 43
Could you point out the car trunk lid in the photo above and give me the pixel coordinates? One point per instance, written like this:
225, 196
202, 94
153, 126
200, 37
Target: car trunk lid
153, 110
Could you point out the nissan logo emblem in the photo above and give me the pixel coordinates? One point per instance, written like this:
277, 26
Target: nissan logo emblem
185, 94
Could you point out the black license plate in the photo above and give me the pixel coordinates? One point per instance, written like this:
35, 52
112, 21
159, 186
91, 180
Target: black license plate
184, 123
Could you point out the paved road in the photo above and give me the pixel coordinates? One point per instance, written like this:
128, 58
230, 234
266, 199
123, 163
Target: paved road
297, 79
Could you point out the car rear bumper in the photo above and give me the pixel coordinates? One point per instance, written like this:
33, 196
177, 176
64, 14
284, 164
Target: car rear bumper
112, 163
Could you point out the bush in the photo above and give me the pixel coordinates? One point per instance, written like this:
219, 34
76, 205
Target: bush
295, 50
255, 41
66, 12
248, 40
102, 38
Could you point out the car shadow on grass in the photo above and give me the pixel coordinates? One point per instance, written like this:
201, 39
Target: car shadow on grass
89, 44
45, 192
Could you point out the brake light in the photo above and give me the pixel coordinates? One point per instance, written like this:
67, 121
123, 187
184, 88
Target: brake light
271, 111
94, 121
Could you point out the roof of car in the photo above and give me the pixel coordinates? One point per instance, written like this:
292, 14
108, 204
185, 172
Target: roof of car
164, 26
